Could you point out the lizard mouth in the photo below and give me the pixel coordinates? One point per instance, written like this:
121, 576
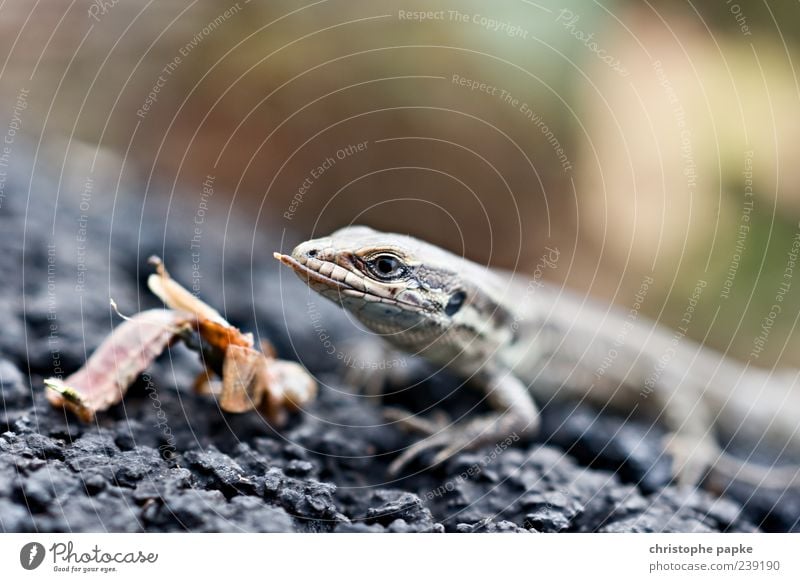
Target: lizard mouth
312, 275
315, 277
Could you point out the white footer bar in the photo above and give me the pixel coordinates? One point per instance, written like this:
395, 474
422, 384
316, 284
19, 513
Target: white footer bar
401, 557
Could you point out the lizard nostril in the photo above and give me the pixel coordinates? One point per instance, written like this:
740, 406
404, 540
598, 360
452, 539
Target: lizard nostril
312, 253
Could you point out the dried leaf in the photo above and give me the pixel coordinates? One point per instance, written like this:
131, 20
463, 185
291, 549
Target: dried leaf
112, 368
294, 384
69, 397
214, 328
251, 379
242, 379
221, 336
176, 297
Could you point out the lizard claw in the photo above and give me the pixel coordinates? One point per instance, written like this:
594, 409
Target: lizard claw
412, 422
448, 452
475, 433
451, 440
441, 439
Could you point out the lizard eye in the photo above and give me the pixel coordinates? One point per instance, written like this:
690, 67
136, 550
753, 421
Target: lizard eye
454, 305
387, 267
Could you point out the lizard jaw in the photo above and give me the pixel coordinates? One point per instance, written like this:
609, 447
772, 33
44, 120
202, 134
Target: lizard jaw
312, 275
327, 285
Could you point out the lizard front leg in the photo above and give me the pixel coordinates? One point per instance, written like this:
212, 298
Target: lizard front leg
691, 441
516, 414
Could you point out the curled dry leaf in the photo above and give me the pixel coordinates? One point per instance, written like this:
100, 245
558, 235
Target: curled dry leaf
257, 380
176, 297
112, 368
290, 387
213, 328
242, 377
254, 380
251, 379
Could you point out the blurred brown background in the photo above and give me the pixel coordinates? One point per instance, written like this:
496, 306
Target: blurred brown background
640, 139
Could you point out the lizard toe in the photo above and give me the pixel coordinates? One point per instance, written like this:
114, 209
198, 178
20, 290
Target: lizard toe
413, 422
416, 450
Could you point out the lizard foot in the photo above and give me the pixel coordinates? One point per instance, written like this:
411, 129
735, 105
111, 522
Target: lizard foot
466, 436
414, 422
519, 417
449, 441
692, 457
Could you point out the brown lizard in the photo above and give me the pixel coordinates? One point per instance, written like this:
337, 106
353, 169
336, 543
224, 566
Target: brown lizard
484, 325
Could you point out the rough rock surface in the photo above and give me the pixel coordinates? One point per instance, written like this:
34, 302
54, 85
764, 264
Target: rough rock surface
167, 459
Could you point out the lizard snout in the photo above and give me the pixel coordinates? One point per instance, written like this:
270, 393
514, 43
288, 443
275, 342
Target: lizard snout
312, 250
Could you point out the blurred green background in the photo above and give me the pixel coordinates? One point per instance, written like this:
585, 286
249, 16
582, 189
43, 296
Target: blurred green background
640, 139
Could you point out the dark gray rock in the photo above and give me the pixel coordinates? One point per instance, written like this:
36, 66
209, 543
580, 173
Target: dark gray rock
489, 526
15, 392
400, 512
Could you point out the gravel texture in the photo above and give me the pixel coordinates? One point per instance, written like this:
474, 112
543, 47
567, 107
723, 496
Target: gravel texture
166, 459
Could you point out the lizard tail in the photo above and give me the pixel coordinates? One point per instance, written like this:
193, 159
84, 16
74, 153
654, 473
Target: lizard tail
729, 469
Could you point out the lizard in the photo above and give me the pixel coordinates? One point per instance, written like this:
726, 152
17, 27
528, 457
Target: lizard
521, 347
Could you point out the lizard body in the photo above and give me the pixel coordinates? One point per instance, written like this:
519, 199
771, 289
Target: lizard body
521, 344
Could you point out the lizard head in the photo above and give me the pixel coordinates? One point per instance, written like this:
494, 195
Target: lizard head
398, 286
